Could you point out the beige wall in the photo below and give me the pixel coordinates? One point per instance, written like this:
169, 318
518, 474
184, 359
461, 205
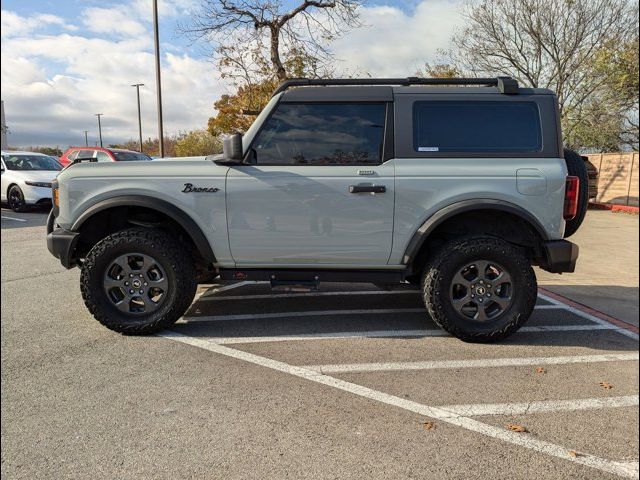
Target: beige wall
618, 182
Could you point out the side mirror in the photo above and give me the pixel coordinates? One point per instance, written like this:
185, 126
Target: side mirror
231, 150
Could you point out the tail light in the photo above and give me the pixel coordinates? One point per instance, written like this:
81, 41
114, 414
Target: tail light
571, 194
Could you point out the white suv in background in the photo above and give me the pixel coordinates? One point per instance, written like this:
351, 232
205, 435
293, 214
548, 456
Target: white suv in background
26, 178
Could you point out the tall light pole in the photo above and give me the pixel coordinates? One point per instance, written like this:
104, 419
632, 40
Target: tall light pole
156, 41
99, 126
138, 85
86, 138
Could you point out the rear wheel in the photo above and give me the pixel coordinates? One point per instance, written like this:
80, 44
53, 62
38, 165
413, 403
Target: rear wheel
15, 199
479, 289
138, 281
577, 168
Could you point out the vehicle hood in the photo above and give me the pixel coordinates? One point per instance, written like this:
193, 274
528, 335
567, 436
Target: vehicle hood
175, 167
35, 175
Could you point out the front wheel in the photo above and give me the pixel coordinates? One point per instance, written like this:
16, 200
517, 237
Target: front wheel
479, 289
15, 199
138, 281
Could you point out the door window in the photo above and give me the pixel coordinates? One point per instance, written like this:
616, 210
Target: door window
322, 134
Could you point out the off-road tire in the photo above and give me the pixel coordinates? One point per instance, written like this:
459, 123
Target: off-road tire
577, 168
438, 276
174, 259
15, 199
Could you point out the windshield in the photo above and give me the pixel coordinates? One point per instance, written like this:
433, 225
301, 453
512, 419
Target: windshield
31, 162
130, 156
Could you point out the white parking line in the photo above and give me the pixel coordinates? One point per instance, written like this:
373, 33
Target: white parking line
388, 334
332, 335
480, 409
210, 298
310, 313
624, 469
11, 218
479, 363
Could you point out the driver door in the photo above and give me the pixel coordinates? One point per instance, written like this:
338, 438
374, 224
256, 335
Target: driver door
316, 190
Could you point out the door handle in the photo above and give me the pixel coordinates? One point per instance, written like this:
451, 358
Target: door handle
367, 189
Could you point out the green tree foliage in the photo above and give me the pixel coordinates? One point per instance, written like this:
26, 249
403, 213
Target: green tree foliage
151, 146
53, 151
197, 143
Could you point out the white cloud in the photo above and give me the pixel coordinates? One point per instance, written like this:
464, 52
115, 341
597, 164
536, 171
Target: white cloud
393, 43
53, 84
113, 20
12, 25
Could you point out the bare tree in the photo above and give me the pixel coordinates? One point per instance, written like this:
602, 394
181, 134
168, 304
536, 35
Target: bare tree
550, 44
250, 34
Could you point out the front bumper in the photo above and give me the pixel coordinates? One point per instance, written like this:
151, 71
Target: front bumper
36, 195
61, 243
560, 256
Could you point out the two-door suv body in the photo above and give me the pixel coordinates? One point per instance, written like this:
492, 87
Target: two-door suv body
459, 189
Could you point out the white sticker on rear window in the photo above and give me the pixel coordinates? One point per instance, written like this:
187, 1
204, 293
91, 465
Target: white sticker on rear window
428, 149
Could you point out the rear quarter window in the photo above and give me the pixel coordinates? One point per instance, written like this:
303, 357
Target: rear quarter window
476, 126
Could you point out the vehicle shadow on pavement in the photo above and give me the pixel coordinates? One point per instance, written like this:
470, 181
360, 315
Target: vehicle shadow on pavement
398, 318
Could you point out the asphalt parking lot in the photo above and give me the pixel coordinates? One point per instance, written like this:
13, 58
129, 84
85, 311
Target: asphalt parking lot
351, 381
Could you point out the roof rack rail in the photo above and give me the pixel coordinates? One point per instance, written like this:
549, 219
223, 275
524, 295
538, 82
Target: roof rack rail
506, 85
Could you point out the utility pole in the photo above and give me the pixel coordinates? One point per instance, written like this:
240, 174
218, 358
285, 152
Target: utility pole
156, 40
138, 85
99, 126
86, 138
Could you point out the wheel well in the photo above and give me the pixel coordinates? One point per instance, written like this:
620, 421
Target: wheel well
110, 220
496, 223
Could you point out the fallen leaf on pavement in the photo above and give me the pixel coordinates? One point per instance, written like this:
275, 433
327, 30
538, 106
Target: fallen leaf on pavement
573, 453
429, 425
541, 370
514, 427
606, 385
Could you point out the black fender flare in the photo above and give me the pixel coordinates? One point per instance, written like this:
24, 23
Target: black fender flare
422, 233
162, 206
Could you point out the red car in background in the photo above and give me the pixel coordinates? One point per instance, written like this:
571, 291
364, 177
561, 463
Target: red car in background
99, 154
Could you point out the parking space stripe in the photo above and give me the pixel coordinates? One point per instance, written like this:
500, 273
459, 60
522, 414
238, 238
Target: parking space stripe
387, 334
479, 363
310, 294
312, 313
474, 410
332, 336
624, 469
16, 219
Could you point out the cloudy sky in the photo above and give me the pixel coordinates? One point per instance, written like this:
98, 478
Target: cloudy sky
64, 60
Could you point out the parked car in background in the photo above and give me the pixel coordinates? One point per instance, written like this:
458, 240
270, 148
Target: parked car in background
99, 154
593, 174
26, 179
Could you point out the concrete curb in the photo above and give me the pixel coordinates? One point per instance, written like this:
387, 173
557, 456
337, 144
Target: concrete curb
615, 208
591, 311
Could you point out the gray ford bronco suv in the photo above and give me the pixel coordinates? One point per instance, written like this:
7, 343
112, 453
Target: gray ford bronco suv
459, 186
